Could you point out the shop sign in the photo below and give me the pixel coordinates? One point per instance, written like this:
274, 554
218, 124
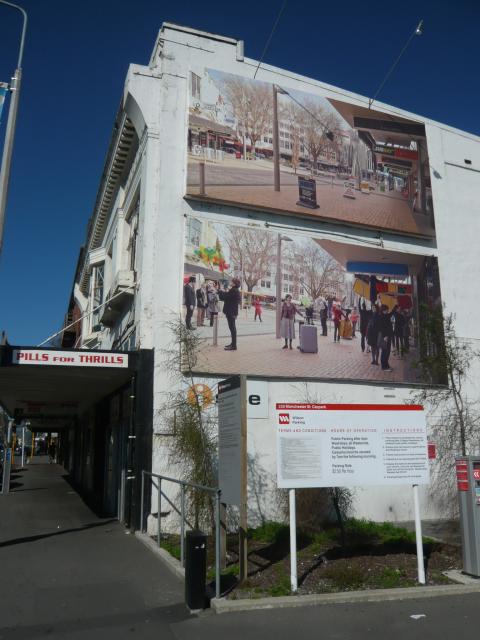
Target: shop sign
69, 358
396, 152
307, 193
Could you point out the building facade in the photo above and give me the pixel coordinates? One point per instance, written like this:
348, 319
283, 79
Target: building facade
150, 218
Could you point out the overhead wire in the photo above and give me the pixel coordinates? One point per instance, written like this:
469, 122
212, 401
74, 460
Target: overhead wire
269, 39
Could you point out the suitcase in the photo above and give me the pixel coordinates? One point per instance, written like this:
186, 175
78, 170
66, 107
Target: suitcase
308, 338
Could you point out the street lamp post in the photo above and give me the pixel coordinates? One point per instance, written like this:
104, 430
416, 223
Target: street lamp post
11, 123
276, 138
278, 304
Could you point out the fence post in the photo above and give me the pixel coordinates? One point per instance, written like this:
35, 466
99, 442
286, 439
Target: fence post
217, 546
159, 517
142, 503
182, 525
201, 168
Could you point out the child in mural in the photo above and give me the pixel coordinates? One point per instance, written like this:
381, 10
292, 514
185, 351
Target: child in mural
287, 325
258, 309
337, 315
355, 317
346, 327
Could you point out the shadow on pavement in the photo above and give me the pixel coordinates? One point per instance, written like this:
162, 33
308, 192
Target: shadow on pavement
40, 536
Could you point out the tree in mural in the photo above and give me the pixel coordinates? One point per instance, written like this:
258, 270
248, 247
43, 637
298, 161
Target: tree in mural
315, 270
252, 250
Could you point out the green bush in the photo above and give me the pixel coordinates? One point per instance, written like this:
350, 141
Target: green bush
361, 531
270, 532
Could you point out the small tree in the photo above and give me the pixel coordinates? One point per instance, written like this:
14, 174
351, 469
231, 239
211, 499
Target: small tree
454, 417
253, 251
316, 270
193, 446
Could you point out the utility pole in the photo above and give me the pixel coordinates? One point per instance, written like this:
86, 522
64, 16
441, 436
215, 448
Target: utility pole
11, 124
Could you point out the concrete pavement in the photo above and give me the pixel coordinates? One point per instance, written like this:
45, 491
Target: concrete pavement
66, 573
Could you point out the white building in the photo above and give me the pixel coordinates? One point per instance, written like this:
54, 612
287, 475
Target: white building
135, 245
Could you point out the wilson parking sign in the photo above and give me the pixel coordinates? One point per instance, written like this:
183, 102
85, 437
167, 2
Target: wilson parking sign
331, 445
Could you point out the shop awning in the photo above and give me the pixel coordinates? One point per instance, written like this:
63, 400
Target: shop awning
210, 125
51, 387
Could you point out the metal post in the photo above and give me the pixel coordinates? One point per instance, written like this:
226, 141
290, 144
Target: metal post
215, 330
217, 545
276, 143
23, 447
11, 123
279, 285
159, 507
418, 536
293, 540
202, 178
142, 502
182, 525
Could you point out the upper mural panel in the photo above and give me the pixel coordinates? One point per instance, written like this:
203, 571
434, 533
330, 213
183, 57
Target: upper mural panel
265, 147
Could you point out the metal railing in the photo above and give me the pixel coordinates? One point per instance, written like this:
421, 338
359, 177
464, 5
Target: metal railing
181, 512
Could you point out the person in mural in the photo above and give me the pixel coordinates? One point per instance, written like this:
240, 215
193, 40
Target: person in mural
399, 331
212, 302
258, 309
372, 332
337, 315
385, 337
346, 327
231, 301
323, 318
354, 318
309, 313
201, 304
189, 300
365, 315
287, 322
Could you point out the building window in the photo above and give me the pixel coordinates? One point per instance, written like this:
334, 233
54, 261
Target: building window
97, 297
193, 232
195, 85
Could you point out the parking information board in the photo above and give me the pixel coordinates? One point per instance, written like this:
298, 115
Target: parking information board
332, 445
230, 439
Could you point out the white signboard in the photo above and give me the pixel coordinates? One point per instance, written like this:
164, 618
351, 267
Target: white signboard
230, 439
69, 358
335, 445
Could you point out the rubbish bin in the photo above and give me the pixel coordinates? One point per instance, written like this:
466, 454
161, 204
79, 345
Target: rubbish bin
195, 569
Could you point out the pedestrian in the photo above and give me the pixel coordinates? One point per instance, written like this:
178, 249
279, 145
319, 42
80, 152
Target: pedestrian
189, 300
52, 451
365, 315
355, 317
337, 315
346, 326
258, 309
309, 314
212, 302
231, 301
287, 322
372, 332
201, 304
323, 318
385, 336
399, 331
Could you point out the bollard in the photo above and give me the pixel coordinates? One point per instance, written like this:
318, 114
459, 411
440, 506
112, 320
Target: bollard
195, 569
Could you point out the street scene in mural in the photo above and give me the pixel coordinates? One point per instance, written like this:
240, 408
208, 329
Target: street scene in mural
270, 304
260, 145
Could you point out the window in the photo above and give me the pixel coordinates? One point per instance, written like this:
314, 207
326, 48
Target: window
195, 85
97, 294
265, 138
193, 232
268, 273
268, 284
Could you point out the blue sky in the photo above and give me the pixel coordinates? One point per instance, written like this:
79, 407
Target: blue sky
76, 58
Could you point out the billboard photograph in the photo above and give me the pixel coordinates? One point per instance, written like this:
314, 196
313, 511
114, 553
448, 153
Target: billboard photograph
268, 303
259, 145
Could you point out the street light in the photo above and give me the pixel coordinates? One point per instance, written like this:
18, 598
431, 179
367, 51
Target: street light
276, 138
278, 307
11, 122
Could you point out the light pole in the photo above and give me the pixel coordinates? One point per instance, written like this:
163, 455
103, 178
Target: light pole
278, 305
276, 138
11, 122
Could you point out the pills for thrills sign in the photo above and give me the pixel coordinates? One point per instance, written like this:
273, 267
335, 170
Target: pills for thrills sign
69, 358
335, 445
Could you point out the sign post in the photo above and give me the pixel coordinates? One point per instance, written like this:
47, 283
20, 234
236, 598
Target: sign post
293, 540
307, 193
232, 454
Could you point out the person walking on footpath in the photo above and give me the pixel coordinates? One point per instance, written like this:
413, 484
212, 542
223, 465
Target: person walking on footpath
399, 331
258, 309
337, 315
373, 330
354, 318
212, 302
231, 301
287, 321
385, 337
323, 318
201, 305
189, 300
365, 315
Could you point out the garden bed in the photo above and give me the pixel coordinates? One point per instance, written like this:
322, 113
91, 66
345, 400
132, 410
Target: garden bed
373, 556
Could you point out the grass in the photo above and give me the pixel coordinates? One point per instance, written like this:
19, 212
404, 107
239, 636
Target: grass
270, 532
361, 531
345, 578
173, 548
231, 570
